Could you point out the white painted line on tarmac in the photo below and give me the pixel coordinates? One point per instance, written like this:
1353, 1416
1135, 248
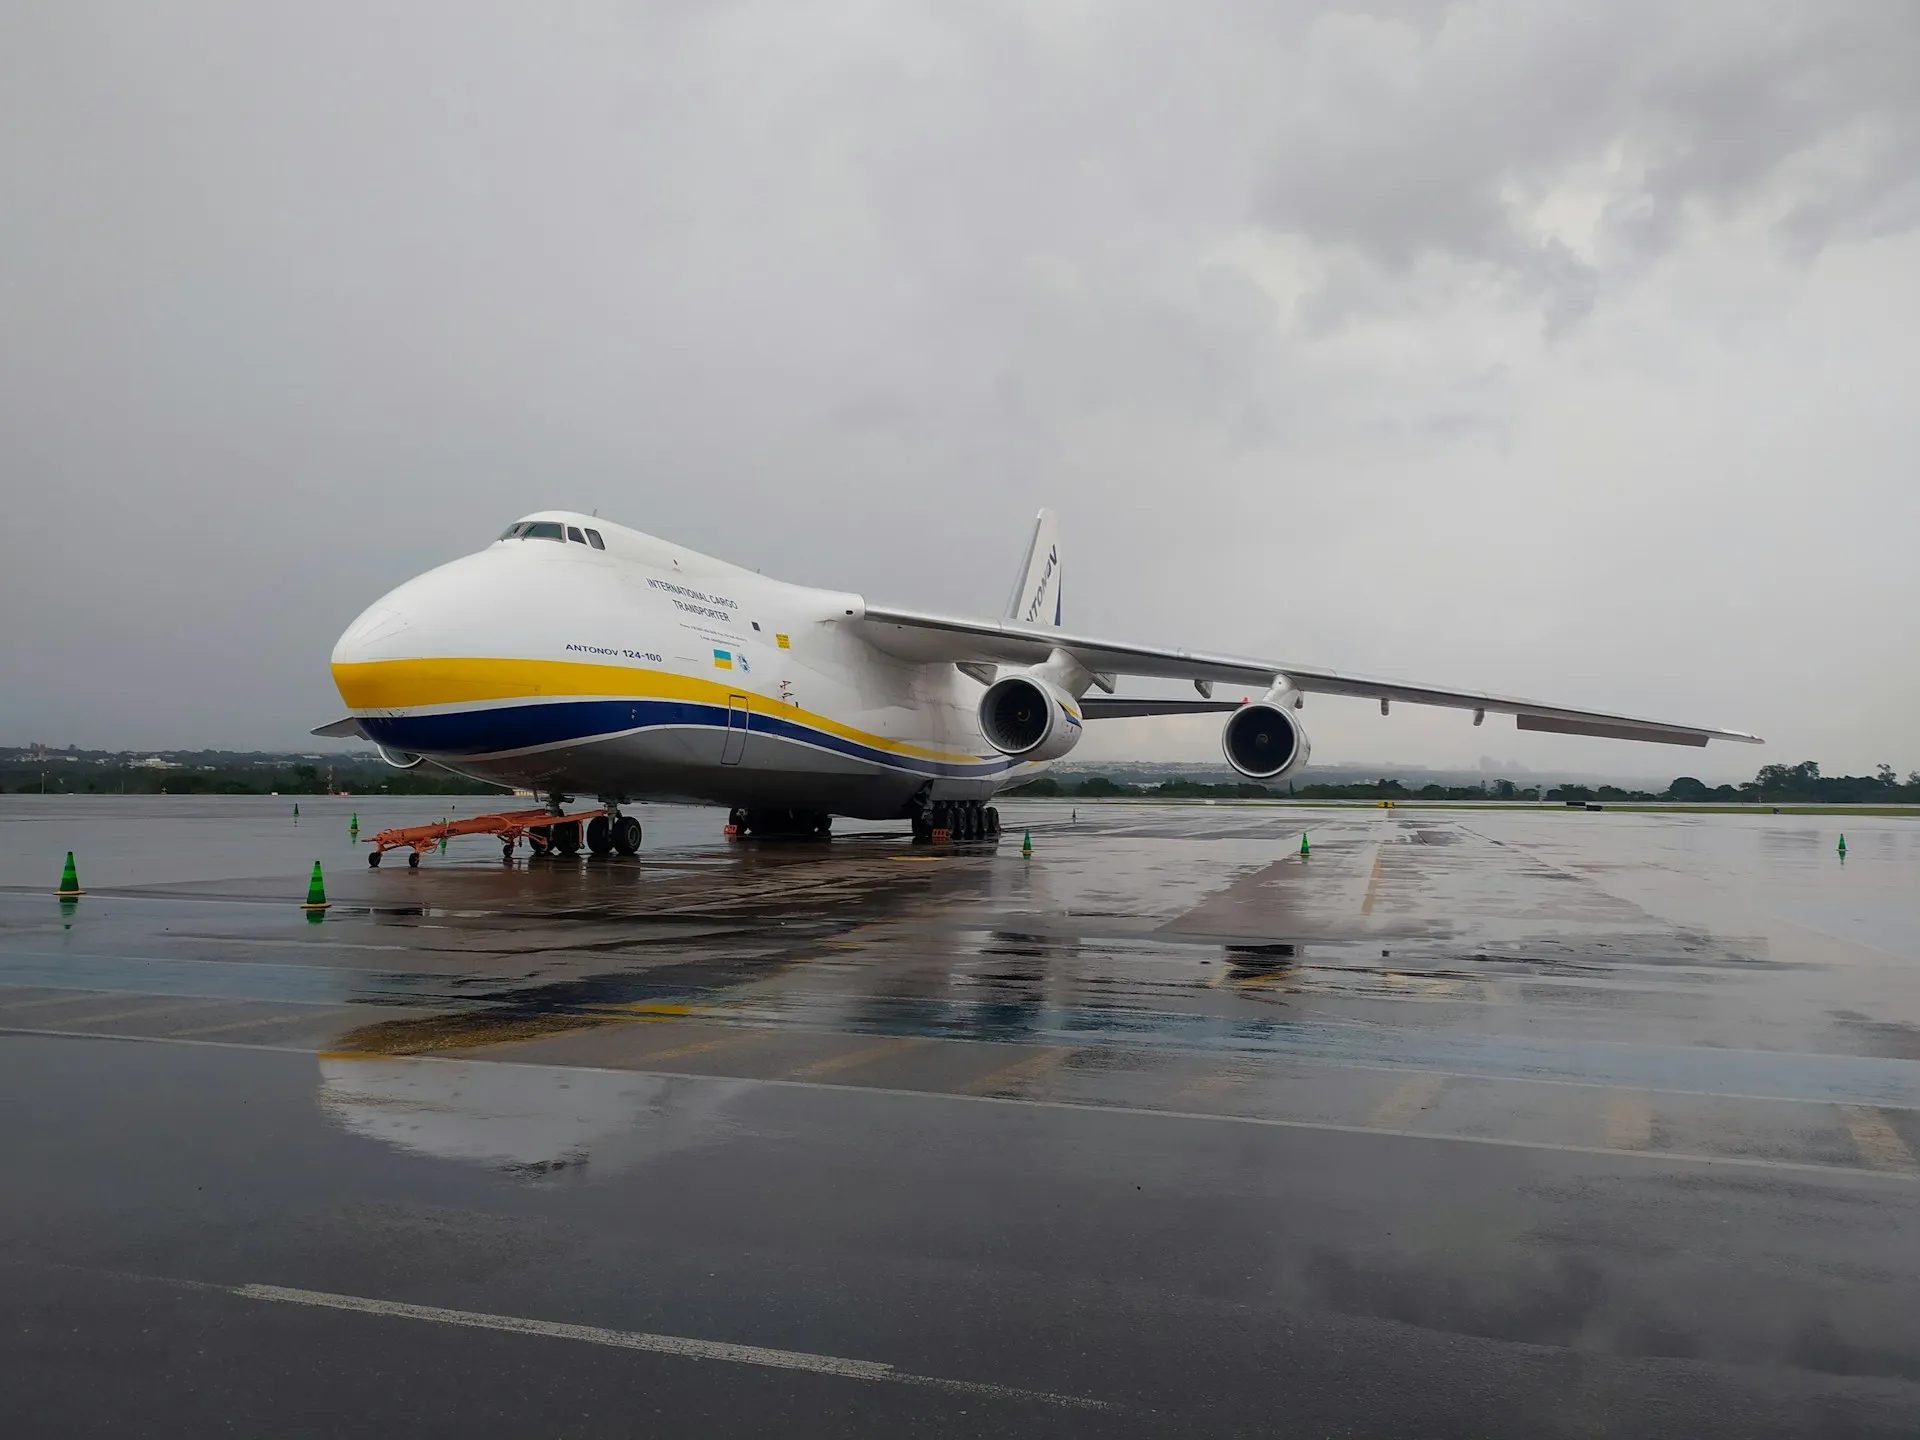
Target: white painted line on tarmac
681, 1346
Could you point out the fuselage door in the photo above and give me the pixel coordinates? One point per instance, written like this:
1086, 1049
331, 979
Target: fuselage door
736, 744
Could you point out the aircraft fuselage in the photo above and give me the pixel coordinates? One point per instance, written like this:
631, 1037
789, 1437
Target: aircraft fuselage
640, 670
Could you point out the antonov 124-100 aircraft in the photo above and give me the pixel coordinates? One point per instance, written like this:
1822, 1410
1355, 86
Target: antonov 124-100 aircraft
671, 676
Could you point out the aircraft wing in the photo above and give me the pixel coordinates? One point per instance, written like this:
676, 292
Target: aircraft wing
928, 638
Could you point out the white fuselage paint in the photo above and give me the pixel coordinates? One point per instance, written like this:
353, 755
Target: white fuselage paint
646, 671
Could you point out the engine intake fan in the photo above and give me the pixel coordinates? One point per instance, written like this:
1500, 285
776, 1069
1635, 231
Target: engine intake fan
1263, 741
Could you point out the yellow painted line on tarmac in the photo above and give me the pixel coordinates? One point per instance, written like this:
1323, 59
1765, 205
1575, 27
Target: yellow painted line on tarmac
1032, 1067
1629, 1120
112, 1015
1406, 1101
645, 1010
1373, 884
1202, 1086
1877, 1141
866, 1055
66, 999
286, 1018
697, 1047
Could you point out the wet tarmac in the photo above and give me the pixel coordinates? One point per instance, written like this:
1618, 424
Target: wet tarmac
1469, 1122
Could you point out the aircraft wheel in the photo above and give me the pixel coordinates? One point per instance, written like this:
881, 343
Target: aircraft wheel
413, 859
506, 851
566, 838
599, 835
993, 822
626, 835
373, 859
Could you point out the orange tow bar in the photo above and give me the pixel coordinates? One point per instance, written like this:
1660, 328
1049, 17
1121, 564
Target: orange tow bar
537, 827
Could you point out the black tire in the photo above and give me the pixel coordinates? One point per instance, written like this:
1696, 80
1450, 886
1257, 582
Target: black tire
413, 859
626, 835
922, 829
566, 838
600, 835
506, 852
374, 859
993, 822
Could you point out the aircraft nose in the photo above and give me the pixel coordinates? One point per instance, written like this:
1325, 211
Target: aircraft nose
372, 635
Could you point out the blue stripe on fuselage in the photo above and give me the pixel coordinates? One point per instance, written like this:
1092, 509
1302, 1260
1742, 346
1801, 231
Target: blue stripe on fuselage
558, 722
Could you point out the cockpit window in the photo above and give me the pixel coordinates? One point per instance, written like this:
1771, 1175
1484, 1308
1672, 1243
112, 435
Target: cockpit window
593, 539
513, 529
573, 534
543, 530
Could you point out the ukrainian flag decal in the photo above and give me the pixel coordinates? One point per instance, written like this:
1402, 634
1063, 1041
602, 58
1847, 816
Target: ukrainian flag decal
723, 659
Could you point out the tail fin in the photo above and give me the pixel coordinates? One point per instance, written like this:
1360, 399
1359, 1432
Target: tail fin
1036, 590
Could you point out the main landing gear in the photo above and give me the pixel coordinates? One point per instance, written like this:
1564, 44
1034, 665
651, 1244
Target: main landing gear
604, 833
746, 824
608, 833
958, 821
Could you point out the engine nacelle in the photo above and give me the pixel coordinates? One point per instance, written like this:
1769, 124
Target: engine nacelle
1264, 741
1029, 717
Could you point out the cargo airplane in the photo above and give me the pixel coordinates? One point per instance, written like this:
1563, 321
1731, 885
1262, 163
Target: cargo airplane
577, 657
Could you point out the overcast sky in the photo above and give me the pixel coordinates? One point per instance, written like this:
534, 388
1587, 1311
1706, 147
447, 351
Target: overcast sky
1565, 349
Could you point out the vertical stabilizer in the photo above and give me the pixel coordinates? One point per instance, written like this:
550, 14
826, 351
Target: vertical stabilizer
1036, 590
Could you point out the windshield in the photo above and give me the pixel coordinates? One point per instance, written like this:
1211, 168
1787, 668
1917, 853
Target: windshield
534, 530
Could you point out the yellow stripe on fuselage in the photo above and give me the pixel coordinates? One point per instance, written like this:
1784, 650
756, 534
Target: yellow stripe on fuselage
420, 684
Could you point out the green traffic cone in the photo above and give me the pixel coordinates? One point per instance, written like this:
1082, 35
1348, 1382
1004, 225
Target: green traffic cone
1843, 845
353, 826
1026, 843
316, 891
69, 880
1305, 849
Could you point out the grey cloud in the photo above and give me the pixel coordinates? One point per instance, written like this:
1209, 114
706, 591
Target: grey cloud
1403, 144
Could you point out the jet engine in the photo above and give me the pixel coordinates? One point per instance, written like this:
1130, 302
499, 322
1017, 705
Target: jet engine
1029, 717
1263, 741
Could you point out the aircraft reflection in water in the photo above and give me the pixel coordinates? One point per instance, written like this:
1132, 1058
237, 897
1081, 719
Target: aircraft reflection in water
523, 1119
578, 657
